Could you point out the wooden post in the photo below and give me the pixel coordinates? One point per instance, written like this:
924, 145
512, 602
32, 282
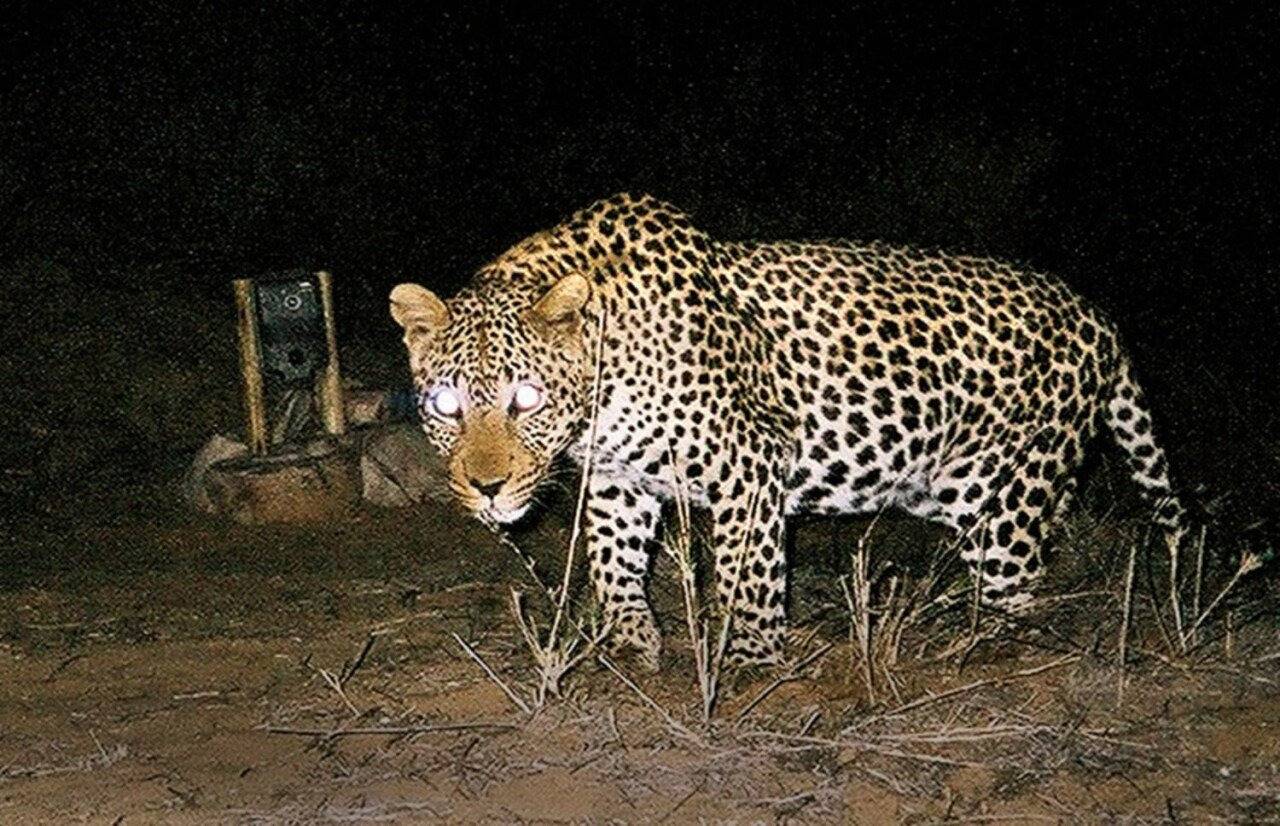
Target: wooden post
330, 384
251, 366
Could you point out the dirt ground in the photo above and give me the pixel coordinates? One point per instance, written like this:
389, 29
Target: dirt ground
166, 668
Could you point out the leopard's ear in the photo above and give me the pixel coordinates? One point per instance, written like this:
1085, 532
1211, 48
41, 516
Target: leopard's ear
416, 306
561, 303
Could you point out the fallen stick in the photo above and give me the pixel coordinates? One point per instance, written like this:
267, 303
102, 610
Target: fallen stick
974, 686
862, 745
793, 674
511, 695
351, 668
63, 665
1126, 616
331, 680
387, 730
675, 725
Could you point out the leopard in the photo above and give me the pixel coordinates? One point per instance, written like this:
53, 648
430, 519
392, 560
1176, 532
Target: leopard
759, 380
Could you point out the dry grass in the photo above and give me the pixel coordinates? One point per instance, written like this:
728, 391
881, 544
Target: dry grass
1016, 742
885, 603
890, 611
55, 761
1027, 727
707, 658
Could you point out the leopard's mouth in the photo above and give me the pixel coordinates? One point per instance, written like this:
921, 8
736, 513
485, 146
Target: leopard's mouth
500, 502
504, 508
502, 513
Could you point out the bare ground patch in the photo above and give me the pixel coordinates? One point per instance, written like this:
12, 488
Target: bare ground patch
244, 684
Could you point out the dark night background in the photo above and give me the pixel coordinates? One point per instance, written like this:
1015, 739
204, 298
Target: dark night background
158, 663
150, 152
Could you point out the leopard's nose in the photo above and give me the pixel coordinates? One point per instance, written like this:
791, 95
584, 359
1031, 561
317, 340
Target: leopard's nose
489, 489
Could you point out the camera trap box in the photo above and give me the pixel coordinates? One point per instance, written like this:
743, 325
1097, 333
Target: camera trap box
291, 328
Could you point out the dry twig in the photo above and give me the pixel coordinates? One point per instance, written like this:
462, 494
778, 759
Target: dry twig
396, 731
793, 673
511, 695
1249, 562
675, 725
332, 680
917, 704
1122, 654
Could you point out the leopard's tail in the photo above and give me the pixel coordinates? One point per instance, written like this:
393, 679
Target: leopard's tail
1129, 419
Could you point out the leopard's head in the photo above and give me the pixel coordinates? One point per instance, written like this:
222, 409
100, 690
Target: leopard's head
503, 375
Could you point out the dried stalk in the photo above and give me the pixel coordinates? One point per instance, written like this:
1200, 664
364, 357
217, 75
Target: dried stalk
675, 725
795, 672
679, 548
1249, 563
1122, 655
333, 681
1175, 600
556, 657
920, 703
857, 595
876, 631
511, 695
395, 731
1199, 579
588, 464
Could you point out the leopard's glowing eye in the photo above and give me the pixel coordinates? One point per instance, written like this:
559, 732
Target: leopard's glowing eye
446, 403
527, 398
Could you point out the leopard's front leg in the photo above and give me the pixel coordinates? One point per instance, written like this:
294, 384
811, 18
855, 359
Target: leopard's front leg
620, 523
751, 569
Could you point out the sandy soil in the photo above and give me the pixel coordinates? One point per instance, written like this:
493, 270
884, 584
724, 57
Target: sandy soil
169, 669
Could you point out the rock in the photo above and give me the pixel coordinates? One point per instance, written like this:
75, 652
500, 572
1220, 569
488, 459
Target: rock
399, 468
364, 407
317, 482
217, 449
391, 466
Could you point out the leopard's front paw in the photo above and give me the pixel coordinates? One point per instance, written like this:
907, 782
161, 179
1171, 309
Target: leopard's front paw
755, 650
1010, 600
635, 635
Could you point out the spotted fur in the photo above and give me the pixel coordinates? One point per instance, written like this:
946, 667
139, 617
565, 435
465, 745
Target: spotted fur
770, 379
